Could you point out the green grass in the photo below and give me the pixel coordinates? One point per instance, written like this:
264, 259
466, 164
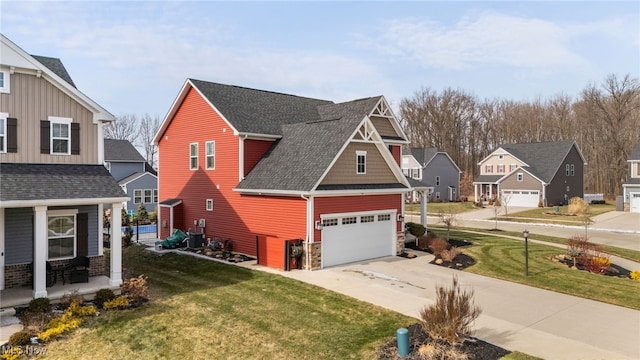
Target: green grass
436, 208
206, 310
548, 215
503, 258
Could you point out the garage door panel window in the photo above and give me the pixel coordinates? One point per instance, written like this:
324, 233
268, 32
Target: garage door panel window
349, 220
367, 219
384, 217
330, 222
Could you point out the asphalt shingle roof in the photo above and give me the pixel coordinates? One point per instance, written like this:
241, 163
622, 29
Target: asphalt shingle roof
259, 111
544, 158
487, 178
121, 150
55, 65
423, 155
56, 181
298, 160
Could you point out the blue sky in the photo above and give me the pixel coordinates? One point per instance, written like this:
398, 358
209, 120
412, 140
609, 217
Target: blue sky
133, 57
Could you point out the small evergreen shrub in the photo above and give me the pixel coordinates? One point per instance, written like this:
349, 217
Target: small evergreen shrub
118, 303
40, 305
102, 296
20, 338
416, 229
451, 316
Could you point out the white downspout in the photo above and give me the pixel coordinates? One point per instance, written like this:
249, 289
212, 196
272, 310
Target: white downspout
241, 156
310, 229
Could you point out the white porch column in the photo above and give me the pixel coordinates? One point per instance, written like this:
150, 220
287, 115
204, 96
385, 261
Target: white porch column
115, 275
475, 193
423, 208
40, 252
490, 191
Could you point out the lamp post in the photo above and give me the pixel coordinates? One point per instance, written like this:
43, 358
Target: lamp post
526, 252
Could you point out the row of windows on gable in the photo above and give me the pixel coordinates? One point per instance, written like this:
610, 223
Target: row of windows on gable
413, 173
500, 168
210, 155
145, 196
58, 136
570, 170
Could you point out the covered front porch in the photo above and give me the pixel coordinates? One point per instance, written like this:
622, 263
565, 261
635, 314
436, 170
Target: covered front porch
20, 296
486, 188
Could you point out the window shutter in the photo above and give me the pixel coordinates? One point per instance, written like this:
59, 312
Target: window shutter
45, 137
12, 135
82, 236
75, 139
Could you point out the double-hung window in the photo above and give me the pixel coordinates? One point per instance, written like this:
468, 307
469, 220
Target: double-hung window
148, 196
500, 169
361, 162
211, 154
60, 135
488, 169
61, 234
567, 169
137, 196
573, 170
4, 82
437, 180
3, 132
155, 196
193, 156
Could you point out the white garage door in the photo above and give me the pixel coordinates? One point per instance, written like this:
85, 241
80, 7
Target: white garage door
357, 236
634, 202
524, 198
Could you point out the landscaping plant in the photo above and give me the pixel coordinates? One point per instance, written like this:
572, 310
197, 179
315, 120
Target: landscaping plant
452, 315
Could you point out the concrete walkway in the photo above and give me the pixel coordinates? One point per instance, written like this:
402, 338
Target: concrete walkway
516, 317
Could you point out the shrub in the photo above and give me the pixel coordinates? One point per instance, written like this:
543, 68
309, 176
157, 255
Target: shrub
40, 305
635, 275
71, 297
70, 320
437, 245
441, 351
117, 303
35, 322
20, 338
451, 316
450, 254
102, 296
135, 289
597, 264
423, 242
598, 202
577, 206
416, 229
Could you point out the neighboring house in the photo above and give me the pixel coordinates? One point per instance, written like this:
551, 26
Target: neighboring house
262, 167
435, 169
529, 173
136, 177
631, 187
53, 184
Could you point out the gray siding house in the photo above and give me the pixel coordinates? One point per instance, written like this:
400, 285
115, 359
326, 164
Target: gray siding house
434, 169
136, 177
53, 184
631, 188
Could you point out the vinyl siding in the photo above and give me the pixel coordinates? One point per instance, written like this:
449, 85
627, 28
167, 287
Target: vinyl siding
240, 218
495, 161
383, 126
556, 191
18, 235
344, 169
441, 166
528, 182
146, 181
397, 154
33, 99
346, 204
254, 150
120, 170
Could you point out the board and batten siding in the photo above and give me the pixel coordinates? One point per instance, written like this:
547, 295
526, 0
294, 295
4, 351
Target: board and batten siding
237, 217
343, 170
347, 204
557, 189
33, 99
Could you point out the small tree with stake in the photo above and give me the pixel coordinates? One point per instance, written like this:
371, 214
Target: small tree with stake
448, 219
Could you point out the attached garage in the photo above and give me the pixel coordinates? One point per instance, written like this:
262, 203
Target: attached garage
524, 198
351, 237
634, 202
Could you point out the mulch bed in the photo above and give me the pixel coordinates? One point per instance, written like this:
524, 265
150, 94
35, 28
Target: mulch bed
474, 348
613, 270
219, 254
460, 262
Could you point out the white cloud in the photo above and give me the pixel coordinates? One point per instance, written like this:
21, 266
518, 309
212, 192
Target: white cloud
489, 39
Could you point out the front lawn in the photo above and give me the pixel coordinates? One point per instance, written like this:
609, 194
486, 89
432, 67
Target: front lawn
202, 309
503, 258
445, 207
549, 215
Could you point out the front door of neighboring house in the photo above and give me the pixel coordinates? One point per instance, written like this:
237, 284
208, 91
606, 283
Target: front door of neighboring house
452, 193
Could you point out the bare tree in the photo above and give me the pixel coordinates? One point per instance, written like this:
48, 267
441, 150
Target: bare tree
148, 127
448, 219
125, 127
506, 198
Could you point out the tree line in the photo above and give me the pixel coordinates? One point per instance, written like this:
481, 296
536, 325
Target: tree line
139, 131
604, 120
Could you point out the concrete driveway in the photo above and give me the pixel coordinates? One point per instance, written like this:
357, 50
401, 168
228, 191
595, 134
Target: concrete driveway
516, 317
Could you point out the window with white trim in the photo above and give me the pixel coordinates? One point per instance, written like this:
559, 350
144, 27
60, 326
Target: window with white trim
567, 169
437, 180
500, 157
437, 194
573, 170
4, 82
512, 167
3, 132
60, 135
210, 147
406, 172
148, 196
488, 169
500, 169
61, 234
415, 173
137, 196
155, 196
209, 205
361, 162
193, 156
520, 177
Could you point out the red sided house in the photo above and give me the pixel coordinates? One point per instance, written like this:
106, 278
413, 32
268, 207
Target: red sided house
260, 167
